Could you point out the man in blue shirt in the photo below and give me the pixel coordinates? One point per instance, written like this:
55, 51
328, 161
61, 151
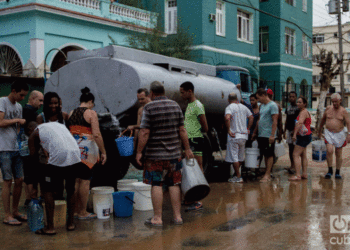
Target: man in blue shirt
266, 130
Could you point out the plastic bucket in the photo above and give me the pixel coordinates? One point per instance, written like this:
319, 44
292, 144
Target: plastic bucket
125, 145
252, 158
142, 198
319, 151
102, 201
126, 184
279, 149
123, 203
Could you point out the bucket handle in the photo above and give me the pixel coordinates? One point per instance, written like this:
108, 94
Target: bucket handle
141, 194
130, 199
131, 131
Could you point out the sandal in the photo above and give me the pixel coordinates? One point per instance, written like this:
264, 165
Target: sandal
304, 177
13, 222
149, 222
43, 232
295, 178
21, 217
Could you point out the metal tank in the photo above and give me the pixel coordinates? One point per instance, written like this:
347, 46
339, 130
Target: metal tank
114, 83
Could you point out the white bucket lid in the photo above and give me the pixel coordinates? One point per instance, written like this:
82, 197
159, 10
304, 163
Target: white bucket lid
127, 181
141, 186
102, 190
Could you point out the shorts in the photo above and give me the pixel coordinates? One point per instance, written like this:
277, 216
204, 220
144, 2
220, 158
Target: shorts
11, 165
303, 141
235, 151
197, 145
159, 173
84, 172
336, 139
32, 170
54, 176
267, 149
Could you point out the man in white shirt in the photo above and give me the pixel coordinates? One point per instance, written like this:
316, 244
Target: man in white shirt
63, 164
236, 115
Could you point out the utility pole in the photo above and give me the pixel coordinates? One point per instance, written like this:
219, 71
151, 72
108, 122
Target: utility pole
340, 36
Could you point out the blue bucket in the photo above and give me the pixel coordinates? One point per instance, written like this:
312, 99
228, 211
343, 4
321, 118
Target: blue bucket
123, 203
125, 145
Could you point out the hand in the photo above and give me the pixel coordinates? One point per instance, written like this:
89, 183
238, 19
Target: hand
253, 137
103, 159
189, 154
248, 131
271, 139
294, 138
138, 158
231, 134
131, 127
21, 121
319, 135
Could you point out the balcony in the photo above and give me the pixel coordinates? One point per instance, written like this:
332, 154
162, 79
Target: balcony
98, 8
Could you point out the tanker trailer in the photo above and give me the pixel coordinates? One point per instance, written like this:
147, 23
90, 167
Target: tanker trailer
114, 83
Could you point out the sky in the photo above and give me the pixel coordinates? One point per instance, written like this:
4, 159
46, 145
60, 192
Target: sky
321, 16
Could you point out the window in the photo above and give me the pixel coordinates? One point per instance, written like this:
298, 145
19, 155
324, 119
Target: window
335, 34
171, 17
315, 58
305, 5
290, 41
316, 80
244, 26
291, 2
263, 39
335, 56
306, 47
319, 38
220, 18
348, 78
348, 56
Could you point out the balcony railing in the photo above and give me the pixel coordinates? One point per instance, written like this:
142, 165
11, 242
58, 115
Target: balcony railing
93, 4
100, 8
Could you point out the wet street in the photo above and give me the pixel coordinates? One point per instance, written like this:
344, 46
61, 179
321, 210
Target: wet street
249, 215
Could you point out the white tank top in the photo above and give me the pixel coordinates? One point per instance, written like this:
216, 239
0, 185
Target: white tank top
56, 139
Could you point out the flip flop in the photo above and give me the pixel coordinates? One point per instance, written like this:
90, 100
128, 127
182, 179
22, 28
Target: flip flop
70, 229
21, 217
295, 178
12, 222
43, 232
304, 177
149, 222
178, 222
290, 171
89, 217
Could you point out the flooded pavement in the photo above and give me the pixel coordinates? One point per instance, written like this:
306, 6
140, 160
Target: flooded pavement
249, 215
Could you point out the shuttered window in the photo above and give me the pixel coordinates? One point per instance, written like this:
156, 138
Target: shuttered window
171, 17
220, 18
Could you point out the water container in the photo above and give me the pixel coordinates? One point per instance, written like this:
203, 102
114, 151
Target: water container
123, 203
194, 186
35, 214
319, 151
142, 198
252, 158
103, 201
279, 149
126, 184
255, 144
125, 145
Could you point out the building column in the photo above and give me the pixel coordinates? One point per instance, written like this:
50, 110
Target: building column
35, 65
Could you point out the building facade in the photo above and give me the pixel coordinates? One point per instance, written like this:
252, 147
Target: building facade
326, 37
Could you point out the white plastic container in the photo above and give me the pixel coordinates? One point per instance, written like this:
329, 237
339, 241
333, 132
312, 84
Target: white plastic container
279, 149
126, 184
252, 158
102, 199
103, 211
319, 151
142, 198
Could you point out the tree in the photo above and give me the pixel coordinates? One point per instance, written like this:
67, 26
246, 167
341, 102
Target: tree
328, 71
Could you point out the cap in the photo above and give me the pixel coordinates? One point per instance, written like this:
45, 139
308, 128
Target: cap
269, 92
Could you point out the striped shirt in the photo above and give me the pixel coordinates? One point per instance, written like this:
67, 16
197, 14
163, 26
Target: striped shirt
163, 117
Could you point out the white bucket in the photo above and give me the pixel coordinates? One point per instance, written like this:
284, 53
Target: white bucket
103, 211
102, 197
279, 149
252, 158
142, 196
319, 151
126, 184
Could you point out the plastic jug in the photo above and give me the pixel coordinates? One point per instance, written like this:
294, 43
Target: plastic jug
35, 215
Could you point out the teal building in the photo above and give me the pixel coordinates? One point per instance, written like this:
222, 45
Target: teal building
285, 31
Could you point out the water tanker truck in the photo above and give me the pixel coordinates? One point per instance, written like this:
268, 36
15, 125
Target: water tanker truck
114, 74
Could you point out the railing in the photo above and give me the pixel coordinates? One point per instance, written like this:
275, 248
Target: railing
92, 4
123, 11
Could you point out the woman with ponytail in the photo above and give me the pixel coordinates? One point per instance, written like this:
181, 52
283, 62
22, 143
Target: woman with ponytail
84, 126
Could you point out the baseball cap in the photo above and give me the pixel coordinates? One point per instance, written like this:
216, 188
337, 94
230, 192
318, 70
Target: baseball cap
269, 92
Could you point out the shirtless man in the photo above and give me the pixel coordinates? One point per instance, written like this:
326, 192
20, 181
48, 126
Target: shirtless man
334, 118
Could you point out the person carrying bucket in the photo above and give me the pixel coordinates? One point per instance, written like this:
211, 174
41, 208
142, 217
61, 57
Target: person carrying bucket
334, 117
161, 134
236, 115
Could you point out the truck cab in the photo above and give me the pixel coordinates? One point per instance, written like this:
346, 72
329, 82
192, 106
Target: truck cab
236, 75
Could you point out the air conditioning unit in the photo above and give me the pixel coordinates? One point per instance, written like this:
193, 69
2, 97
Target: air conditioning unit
212, 17
333, 7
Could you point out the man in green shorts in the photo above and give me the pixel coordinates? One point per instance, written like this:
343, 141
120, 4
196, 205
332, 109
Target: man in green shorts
195, 125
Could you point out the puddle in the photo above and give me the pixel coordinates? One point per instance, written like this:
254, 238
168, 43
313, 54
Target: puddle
197, 242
